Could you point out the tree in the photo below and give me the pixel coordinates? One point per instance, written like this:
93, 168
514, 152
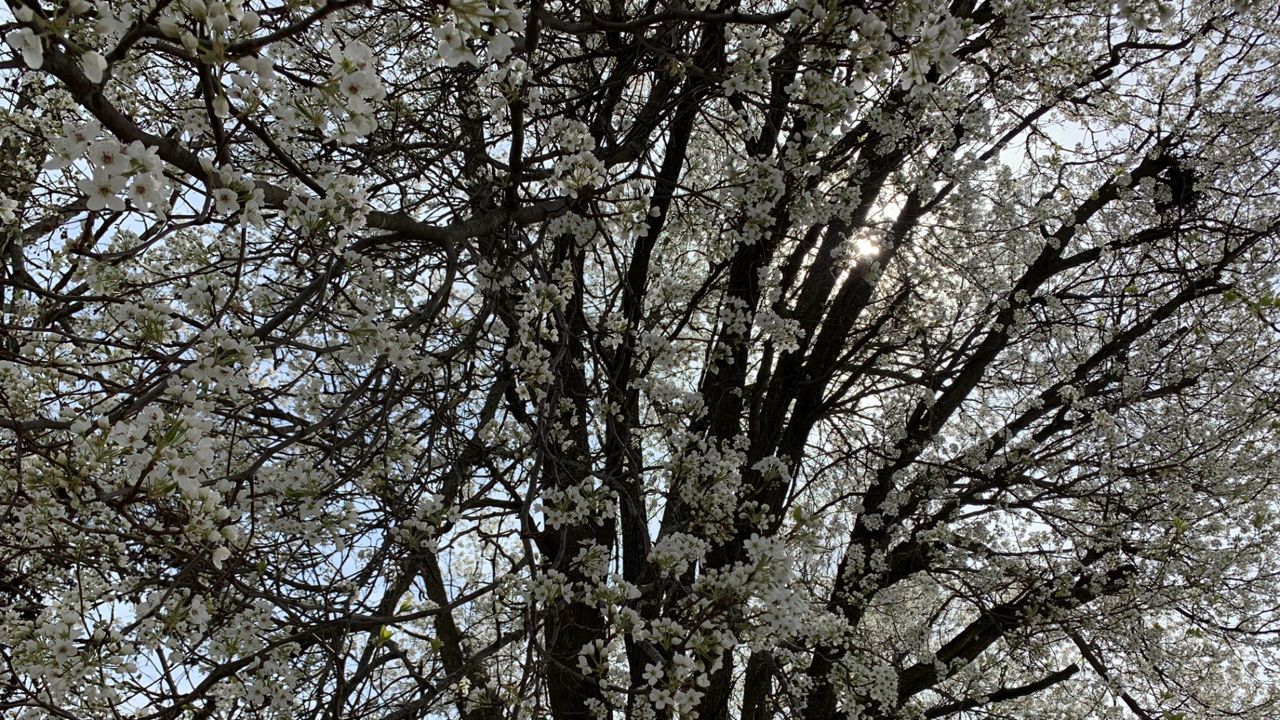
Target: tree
482, 359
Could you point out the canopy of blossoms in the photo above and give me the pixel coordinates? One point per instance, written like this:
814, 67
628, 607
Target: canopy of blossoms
643, 359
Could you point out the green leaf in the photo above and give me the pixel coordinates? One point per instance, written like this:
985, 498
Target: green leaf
384, 634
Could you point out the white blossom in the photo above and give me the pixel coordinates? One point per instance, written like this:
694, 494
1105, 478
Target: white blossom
28, 43
93, 64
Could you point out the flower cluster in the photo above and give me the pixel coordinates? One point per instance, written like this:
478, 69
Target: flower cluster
494, 20
1144, 14
585, 503
674, 554
577, 168
356, 88
116, 173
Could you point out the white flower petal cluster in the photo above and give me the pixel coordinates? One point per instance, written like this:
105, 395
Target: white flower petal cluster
495, 21
357, 89
116, 172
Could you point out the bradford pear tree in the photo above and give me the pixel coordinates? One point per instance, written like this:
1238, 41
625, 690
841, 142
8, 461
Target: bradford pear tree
643, 359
